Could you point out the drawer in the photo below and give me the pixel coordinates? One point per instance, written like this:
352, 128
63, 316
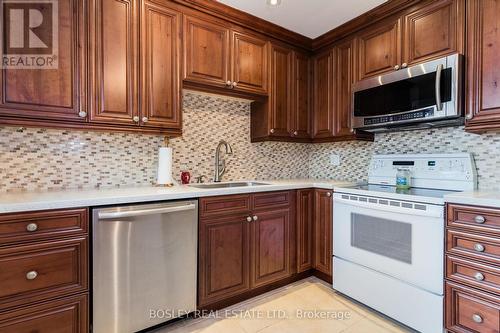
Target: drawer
474, 218
44, 224
42, 270
67, 315
470, 311
224, 205
272, 200
473, 273
473, 246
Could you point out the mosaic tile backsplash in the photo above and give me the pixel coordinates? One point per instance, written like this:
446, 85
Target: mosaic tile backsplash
46, 159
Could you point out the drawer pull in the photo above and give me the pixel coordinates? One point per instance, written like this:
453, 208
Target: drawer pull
479, 247
477, 318
32, 227
480, 219
478, 276
31, 275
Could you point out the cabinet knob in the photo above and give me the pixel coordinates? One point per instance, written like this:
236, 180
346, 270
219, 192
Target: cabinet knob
255, 217
32, 227
480, 219
135, 119
477, 318
249, 219
31, 275
396, 67
404, 65
479, 247
271, 130
234, 84
468, 116
478, 276
295, 133
145, 119
82, 114
229, 83
328, 194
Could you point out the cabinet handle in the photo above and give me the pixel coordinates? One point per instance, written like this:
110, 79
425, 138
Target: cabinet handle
31, 275
135, 119
328, 194
234, 84
479, 247
478, 276
271, 130
477, 318
229, 84
32, 227
396, 67
480, 219
255, 217
249, 219
404, 65
145, 119
82, 114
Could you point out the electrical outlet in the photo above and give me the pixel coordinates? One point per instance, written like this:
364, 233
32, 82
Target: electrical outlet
334, 159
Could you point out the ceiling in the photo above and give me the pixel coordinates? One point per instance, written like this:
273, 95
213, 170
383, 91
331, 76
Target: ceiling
310, 18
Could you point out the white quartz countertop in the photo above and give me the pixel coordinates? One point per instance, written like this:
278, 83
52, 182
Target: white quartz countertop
475, 198
31, 201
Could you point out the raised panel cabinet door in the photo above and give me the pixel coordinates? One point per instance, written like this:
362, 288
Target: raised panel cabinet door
281, 84
379, 49
270, 247
161, 92
58, 93
249, 63
323, 120
301, 110
434, 31
305, 220
483, 72
323, 240
114, 29
343, 81
206, 52
223, 258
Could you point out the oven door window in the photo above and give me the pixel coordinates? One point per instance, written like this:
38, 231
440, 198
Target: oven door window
391, 239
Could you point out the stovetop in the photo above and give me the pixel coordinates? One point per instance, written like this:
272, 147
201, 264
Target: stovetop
422, 192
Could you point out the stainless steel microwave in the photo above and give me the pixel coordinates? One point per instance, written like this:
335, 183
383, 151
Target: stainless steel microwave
425, 95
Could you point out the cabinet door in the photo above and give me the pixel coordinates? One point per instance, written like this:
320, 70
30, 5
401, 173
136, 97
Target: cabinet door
379, 49
483, 72
270, 247
323, 243
343, 87
301, 113
206, 52
280, 97
161, 92
323, 123
223, 258
249, 63
305, 220
57, 94
114, 50
434, 31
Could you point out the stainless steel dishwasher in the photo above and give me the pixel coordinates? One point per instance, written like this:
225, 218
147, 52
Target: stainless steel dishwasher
144, 265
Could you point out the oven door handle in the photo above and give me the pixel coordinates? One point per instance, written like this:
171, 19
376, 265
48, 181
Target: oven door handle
439, 70
390, 209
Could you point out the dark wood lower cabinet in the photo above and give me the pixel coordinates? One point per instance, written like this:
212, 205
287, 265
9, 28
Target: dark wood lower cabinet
305, 219
323, 243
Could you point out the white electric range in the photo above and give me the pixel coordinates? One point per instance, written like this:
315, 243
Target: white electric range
388, 244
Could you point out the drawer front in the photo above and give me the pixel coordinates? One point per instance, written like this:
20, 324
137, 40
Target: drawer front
43, 270
67, 315
272, 200
225, 205
474, 274
471, 311
44, 224
474, 218
473, 246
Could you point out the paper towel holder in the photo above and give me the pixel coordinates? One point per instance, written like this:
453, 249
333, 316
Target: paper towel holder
166, 141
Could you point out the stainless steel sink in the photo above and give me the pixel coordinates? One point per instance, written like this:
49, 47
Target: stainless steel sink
226, 185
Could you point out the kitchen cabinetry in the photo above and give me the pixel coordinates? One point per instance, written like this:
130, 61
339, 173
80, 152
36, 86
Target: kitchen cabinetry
323, 73
472, 269
44, 271
323, 239
483, 48
305, 224
219, 56
245, 242
434, 30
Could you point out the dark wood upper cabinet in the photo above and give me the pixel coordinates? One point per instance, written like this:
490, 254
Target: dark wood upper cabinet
433, 31
323, 238
344, 78
323, 73
160, 47
113, 25
305, 221
281, 91
483, 72
379, 49
249, 63
300, 119
56, 94
206, 52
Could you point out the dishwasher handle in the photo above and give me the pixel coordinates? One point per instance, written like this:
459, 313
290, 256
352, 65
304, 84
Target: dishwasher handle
103, 215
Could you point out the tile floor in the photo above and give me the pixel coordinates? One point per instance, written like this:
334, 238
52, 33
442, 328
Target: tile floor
302, 304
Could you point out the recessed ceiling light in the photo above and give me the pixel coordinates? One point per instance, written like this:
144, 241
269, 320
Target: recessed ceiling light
274, 3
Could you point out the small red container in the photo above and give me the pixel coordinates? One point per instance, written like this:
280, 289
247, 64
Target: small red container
185, 177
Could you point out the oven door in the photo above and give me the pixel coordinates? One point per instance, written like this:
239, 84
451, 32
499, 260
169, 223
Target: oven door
396, 238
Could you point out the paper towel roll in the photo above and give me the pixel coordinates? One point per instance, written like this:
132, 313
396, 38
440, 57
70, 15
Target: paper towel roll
165, 166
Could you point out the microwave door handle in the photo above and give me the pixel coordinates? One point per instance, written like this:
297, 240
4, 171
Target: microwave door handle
439, 70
